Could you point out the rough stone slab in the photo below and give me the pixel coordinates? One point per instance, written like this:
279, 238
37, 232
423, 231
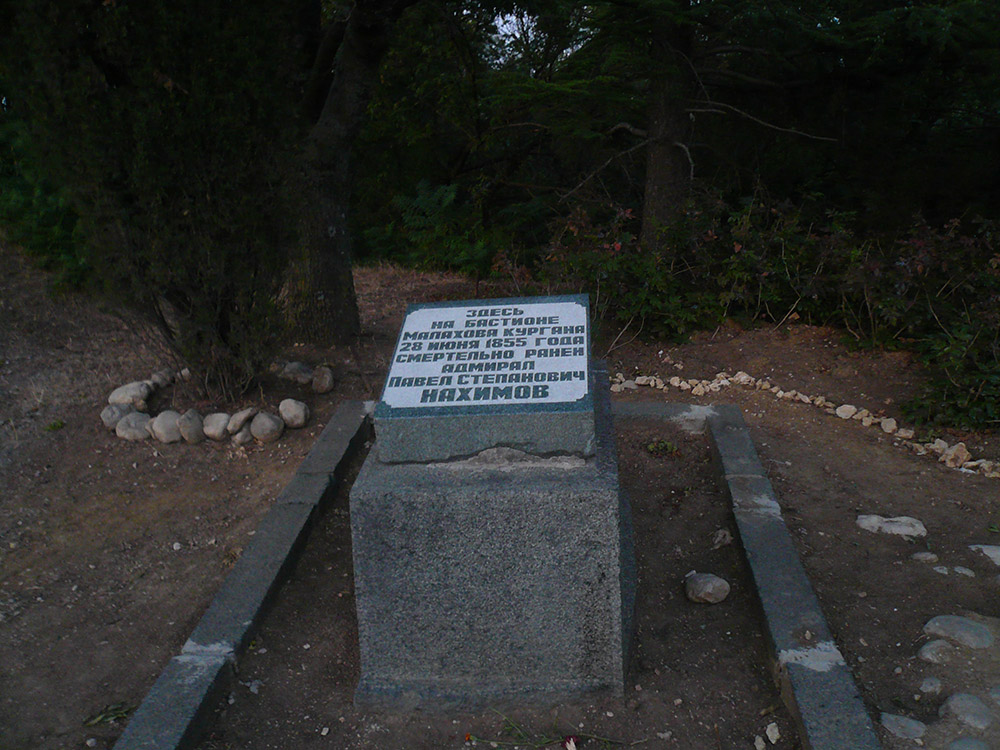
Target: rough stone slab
226, 626
177, 707
344, 433
483, 582
442, 437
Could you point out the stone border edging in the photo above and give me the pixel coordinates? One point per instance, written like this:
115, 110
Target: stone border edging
173, 713
816, 684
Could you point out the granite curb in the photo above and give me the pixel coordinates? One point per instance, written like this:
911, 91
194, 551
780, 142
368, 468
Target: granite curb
173, 714
817, 686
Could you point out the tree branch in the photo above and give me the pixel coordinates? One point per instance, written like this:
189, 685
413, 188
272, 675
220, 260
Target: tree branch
729, 108
593, 174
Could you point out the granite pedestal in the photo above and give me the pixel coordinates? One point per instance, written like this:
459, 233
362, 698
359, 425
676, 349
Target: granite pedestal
507, 576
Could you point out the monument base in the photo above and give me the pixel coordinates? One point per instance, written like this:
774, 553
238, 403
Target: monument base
505, 576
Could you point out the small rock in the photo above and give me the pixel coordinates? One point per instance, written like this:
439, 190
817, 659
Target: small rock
939, 446
266, 427
930, 686
185, 374
133, 426
293, 413
942, 569
698, 390
240, 418
91, 742
214, 425
322, 381
243, 436
675, 381
963, 571
990, 550
967, 743
924, 557
162, 378
804, 398
297, 372
705, 588
721, 538
616, 388
845, 411
903, 727
867, 421
164, 426
685, 386
905, 433
176, 546
773, 733
642, 380
630, 385
968, 709
904, 526
758, 743
961, 630
113, 413
191, 427
131, 393
936, 652
889, 426
955, 456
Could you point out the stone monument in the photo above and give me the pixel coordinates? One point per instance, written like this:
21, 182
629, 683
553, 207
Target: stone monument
492, 544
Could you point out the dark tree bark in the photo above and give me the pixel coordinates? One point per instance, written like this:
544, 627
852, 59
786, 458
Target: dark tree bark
322, 304
668, 161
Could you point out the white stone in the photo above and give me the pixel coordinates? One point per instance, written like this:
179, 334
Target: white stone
968, 709
939, 446
706, 588
903, 727
990, 550
675, 381
889, 425
616, 388
133, 426
322, 380
191, 427
164, 426
642, 380
924, 557
904, 526
773, 733
630, 385
243, 436
846, 411
905, 433
942, 569
698, 390
112, 414
162, 378
297, 372
955, 456
293, 413
215, 425
961, 630
936, 652
266, 427
131, 393
963, 571
685, 386
240, 418
930, 686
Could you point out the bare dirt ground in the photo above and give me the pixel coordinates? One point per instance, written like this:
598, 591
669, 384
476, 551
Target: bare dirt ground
110, 551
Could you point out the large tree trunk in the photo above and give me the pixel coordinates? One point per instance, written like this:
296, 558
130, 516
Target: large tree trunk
668, 161
668, 165
322, 304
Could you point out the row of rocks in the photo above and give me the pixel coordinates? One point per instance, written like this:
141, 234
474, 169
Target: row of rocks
955, 456
170, 426
126, 414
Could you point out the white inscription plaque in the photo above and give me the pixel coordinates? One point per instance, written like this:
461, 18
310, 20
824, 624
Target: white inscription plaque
491, 353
